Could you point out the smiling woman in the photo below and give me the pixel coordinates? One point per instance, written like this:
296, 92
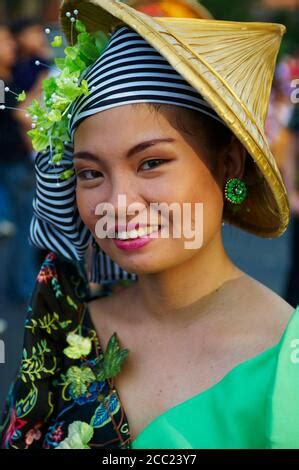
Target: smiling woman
167, 121
162, 165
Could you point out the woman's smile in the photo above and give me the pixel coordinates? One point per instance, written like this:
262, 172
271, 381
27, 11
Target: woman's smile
136, 238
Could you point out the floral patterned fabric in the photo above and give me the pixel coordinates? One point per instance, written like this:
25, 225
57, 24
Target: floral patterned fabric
63, 395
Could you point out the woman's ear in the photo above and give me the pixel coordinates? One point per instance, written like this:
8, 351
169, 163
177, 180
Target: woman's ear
232, 161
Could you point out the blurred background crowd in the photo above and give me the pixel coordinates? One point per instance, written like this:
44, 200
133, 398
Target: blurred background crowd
26, 30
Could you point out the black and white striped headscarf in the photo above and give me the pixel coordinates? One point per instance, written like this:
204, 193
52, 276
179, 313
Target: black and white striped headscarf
128, 71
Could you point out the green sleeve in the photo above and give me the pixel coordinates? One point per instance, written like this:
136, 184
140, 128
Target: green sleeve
283, 423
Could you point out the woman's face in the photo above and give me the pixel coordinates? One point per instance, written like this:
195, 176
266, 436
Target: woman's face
174, 170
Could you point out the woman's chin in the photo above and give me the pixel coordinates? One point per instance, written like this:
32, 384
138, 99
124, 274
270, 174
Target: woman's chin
154, 257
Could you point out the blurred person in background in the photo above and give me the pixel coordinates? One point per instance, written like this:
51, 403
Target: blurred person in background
7, 227
32, 46
278, 118
289, 72
291, 177
18, 257
8, 57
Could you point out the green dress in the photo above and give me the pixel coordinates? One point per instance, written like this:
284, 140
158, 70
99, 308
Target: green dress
255, 406
60, 397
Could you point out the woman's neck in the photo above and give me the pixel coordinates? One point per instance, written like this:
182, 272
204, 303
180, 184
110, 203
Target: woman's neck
178, 293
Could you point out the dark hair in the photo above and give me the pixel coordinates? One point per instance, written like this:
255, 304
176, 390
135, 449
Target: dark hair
214, 135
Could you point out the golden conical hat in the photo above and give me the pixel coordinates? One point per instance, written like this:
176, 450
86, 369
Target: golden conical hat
232, 65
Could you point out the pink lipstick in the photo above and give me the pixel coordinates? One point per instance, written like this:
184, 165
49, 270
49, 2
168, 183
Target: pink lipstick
135, 243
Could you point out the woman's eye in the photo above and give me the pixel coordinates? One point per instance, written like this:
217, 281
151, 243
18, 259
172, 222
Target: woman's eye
88, 175
152, 163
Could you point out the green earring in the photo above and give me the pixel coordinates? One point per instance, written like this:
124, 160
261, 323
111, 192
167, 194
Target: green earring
235, 191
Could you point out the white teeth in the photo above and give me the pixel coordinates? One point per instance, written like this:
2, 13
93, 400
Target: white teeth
134, 234
122, 235
141, 232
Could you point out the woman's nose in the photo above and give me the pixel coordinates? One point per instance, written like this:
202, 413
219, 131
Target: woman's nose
122, 205
124, 193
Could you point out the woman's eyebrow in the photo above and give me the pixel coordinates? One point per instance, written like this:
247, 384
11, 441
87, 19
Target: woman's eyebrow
149, 143
83, 155
132, 151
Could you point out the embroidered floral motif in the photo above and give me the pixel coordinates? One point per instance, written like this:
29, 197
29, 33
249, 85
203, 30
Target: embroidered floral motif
71, 302
13, 429
48, 323
104, 412
26, 404
79, 379
79, 346
33, 434
32, 367
65, 377
47, 272
56, 287
94, 392
79, 435
57, 434
54, 435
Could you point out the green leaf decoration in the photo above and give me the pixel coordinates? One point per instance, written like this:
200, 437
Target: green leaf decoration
80, 27
84, 87
54, 115
35, 108
57, 41
51, 112
39, 141
88, 50
70, 52
66, 174
79, 435
100, 40
21, 96
109, 365
49, 87
60, 63
83, 38
78, 346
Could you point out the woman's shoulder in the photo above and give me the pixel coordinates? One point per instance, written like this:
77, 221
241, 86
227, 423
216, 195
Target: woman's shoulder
265, 296
265, 307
